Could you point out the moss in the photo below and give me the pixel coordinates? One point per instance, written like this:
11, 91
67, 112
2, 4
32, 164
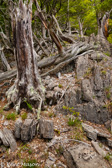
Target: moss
24, 116
11, 116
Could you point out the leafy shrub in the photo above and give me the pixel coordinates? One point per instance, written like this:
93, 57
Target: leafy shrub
71, 110
74, 122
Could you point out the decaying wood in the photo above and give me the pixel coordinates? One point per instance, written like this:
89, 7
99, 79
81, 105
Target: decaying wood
27, 86
8, 74
76, 50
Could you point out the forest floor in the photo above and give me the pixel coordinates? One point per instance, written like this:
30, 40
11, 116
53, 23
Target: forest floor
39, 151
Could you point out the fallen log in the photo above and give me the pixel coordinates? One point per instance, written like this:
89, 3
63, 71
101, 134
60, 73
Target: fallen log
74, 51
8, 74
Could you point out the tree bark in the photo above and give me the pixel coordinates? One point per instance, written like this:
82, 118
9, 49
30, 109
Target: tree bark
27, 86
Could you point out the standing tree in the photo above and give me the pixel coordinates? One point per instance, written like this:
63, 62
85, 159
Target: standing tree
27, 87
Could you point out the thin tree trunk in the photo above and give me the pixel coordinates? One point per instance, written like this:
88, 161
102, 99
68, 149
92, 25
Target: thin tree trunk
28, 85
4, 61
69, 26
52, 34
81, 28
43, 31
63, 37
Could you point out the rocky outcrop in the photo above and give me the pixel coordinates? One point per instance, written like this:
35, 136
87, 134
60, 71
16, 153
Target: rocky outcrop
89, 89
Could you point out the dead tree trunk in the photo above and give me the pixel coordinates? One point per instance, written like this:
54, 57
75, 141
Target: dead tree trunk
52, 34
63, 37
27, 87
80, 28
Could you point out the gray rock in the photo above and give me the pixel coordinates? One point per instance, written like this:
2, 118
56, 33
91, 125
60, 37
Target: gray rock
50, 161
70, 97
8, 139
6, 123
92, 112
103, 134
52, 85
109, 142
81, 66
98, 84
99, 150
98, 56
46, 128
17, 131
1, 71
49, 95
87, 90
107, 80
82, 156
28, 129
60, 165
90, 131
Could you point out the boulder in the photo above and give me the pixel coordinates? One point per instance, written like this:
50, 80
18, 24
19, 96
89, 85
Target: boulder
28, 129
17, 131
90, 131
46, 129
7, 138
83, 156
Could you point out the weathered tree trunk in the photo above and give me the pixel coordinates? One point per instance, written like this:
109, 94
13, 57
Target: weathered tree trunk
103, 30
28, 85
103, 25
80, 28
